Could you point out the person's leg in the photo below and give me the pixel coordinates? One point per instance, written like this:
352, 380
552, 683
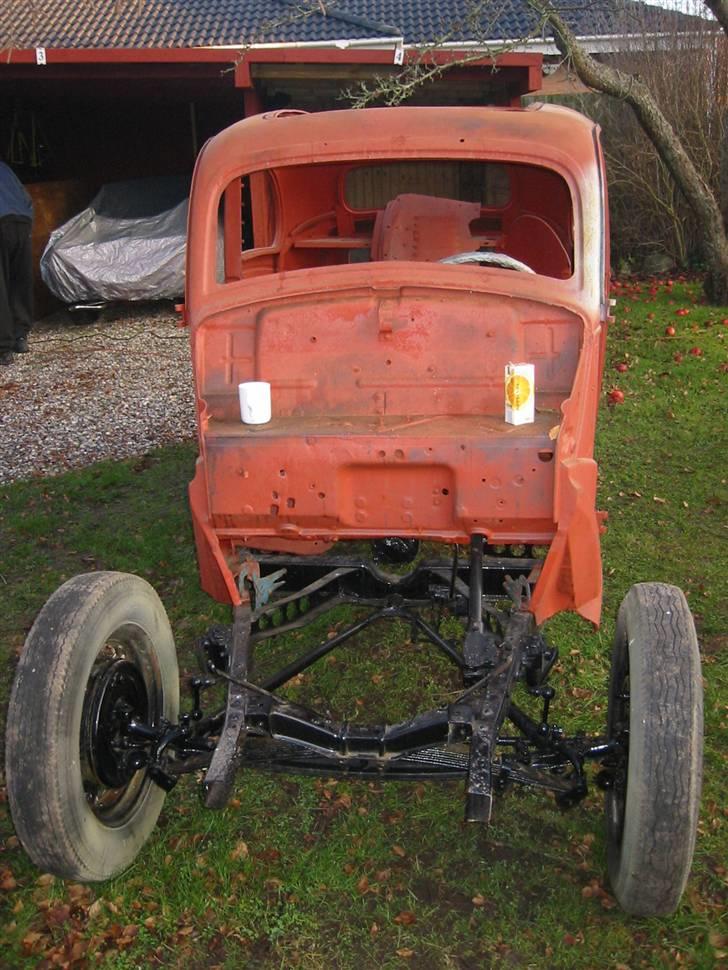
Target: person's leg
7, 329
21, 287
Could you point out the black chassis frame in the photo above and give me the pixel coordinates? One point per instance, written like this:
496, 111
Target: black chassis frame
464, 739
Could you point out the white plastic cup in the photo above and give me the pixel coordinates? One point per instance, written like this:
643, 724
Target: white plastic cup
255, 407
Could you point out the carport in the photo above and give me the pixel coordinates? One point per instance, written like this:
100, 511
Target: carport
74, 118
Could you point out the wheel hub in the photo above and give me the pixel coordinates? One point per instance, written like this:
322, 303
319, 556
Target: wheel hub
114, 696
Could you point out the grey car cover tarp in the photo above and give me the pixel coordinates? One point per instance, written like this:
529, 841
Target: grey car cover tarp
129, 244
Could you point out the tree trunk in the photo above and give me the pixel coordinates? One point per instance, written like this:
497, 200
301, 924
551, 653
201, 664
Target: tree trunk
618, 84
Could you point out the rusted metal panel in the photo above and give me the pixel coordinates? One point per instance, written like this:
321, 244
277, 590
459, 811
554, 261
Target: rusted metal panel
386, 365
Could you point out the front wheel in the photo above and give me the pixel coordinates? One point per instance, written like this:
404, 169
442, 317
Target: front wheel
100, 648
656, 715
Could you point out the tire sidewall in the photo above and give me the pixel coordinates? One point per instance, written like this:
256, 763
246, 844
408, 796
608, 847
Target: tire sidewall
650, 864
628, 640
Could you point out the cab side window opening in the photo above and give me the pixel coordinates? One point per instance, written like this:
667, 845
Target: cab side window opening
247, 224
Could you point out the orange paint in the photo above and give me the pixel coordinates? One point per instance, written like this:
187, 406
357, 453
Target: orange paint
386, 365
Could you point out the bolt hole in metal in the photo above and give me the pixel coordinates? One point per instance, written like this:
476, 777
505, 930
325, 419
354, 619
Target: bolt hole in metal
122, 685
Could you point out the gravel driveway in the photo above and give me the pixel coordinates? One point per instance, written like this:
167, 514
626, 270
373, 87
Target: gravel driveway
111, 389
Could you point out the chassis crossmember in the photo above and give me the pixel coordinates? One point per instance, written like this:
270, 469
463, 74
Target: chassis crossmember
467, 738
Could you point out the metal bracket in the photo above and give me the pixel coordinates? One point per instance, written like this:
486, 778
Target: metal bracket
265, 586
221, 773
519, 590
486, 726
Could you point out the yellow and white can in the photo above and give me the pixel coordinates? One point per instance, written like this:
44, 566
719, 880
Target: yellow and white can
520, 393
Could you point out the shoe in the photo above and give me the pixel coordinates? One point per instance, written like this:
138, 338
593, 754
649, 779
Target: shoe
6, 357
21, 345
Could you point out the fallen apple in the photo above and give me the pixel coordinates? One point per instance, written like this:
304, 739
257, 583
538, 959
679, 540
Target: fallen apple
615, 396
621, 367
670, 331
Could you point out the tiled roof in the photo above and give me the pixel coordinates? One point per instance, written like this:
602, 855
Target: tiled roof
196, 23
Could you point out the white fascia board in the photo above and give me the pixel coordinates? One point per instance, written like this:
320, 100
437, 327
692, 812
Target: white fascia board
373, 43
593, 44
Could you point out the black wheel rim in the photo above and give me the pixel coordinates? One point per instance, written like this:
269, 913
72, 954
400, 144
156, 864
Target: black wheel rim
122, 685
618, 730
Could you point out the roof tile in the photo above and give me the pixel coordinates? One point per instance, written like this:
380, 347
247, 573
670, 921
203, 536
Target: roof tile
194, 23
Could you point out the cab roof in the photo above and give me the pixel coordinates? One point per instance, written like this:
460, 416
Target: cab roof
539, 134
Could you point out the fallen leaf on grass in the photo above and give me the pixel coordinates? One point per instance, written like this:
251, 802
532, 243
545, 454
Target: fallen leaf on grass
78, 892
405, 918
58, 915
399, 851
241, 851
478, 900
30, 941
95, 908
7, 881
405, 953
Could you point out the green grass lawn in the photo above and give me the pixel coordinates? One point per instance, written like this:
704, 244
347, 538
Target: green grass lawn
311, 873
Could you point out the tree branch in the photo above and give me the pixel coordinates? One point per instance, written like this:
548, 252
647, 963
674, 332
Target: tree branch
628, 88
719, 9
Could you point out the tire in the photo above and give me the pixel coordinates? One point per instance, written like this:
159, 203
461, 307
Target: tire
656, 709
69, 821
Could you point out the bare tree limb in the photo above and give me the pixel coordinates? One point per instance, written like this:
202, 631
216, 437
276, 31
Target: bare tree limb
719, 9
630, 89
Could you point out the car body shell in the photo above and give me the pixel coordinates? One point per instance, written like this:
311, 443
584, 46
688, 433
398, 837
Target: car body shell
387, 371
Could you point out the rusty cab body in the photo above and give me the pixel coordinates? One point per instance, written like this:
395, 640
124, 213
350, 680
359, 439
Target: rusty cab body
386, 364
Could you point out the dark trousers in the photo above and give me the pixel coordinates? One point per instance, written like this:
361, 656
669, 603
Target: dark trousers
16, 280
